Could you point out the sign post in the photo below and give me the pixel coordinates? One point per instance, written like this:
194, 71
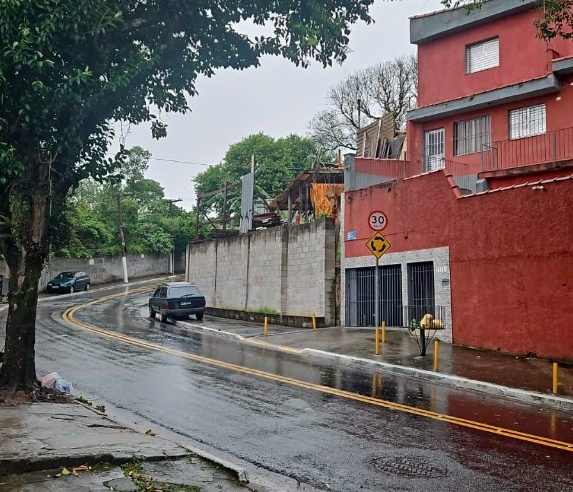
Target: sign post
377, 294
378, 246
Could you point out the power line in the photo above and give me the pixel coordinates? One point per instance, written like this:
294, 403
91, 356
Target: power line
181, 162
177, 161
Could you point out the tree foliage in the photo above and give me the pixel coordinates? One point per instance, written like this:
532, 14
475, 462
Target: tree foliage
386, 88
70, 68
278, 161
151, 223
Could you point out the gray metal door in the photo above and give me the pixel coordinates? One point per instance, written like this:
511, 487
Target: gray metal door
421, 294
360, 296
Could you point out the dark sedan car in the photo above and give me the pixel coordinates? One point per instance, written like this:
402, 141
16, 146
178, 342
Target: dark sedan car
69, 282
177, 299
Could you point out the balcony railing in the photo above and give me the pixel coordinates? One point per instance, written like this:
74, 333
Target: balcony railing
394, 169
547, 148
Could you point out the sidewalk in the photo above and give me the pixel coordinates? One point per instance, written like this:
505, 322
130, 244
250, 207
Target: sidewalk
521, 378
55, 446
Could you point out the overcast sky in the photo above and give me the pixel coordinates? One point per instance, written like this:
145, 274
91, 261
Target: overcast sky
276, 98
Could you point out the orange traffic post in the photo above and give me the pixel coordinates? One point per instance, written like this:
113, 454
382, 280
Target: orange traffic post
377, 342
314, 321
555, 378
266, 326
436, 354
383, 331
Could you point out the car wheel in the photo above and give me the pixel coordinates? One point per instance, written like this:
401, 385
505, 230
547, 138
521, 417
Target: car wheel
163, 317
87, 286
199, 316
151, 313
72, 289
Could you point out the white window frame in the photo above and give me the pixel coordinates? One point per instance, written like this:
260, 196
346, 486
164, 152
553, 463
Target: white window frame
434, 149
528, 121
482, 56
470, 136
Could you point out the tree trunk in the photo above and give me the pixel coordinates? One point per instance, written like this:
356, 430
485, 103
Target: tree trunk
26, 252
19, 370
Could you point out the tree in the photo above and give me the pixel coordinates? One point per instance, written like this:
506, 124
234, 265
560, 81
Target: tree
278, 162
70, 68
556, 19
151, 223
386, 88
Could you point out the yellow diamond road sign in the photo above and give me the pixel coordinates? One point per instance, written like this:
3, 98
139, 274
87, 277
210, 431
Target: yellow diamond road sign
378, 245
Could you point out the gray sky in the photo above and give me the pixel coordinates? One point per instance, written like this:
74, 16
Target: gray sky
276, 98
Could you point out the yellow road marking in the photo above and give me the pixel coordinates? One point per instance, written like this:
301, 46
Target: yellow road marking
68, 316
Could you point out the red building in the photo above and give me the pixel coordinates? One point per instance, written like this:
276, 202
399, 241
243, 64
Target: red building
480, 213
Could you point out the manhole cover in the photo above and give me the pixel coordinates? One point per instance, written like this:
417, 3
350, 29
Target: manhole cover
409, 467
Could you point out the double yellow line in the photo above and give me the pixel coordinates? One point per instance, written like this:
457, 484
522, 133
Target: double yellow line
69, 317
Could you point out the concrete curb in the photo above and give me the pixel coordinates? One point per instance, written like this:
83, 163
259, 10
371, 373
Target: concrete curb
526, 396
23, 465
210, 331
236, 470
239, 472
521, 395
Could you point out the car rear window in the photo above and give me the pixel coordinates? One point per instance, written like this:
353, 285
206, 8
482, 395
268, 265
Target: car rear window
66, 275
184, 290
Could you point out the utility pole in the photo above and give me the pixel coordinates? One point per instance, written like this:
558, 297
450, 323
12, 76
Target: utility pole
122, 239
172, 254
197, 217
224, 217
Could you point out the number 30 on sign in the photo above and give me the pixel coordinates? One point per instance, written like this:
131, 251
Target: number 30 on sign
377, 220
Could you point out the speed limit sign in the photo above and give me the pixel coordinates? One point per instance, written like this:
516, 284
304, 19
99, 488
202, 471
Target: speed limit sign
377, 220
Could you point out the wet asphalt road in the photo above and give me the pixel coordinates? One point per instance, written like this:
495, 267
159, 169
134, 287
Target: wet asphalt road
321, 440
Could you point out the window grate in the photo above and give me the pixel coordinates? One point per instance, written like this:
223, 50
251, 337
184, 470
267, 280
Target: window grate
434, 150
526, 122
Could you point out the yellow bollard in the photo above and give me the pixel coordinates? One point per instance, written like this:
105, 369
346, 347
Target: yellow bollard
314, 321
377, 342
266, 327
383, 331
555, 378
436, 354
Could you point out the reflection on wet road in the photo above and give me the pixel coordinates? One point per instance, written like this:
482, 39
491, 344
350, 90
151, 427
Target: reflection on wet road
315, 437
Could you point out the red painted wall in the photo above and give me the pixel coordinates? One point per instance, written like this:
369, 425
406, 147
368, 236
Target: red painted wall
511, 256
523, 56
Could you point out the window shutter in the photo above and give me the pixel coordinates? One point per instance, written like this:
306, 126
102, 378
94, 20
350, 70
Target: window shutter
482, 56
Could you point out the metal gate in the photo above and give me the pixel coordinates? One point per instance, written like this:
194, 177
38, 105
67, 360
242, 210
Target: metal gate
421, 294
360, 296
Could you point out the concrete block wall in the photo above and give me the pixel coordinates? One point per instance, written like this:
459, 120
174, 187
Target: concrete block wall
288, 270
201, 268
311, 270
264, 282
232, 268
101, 270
